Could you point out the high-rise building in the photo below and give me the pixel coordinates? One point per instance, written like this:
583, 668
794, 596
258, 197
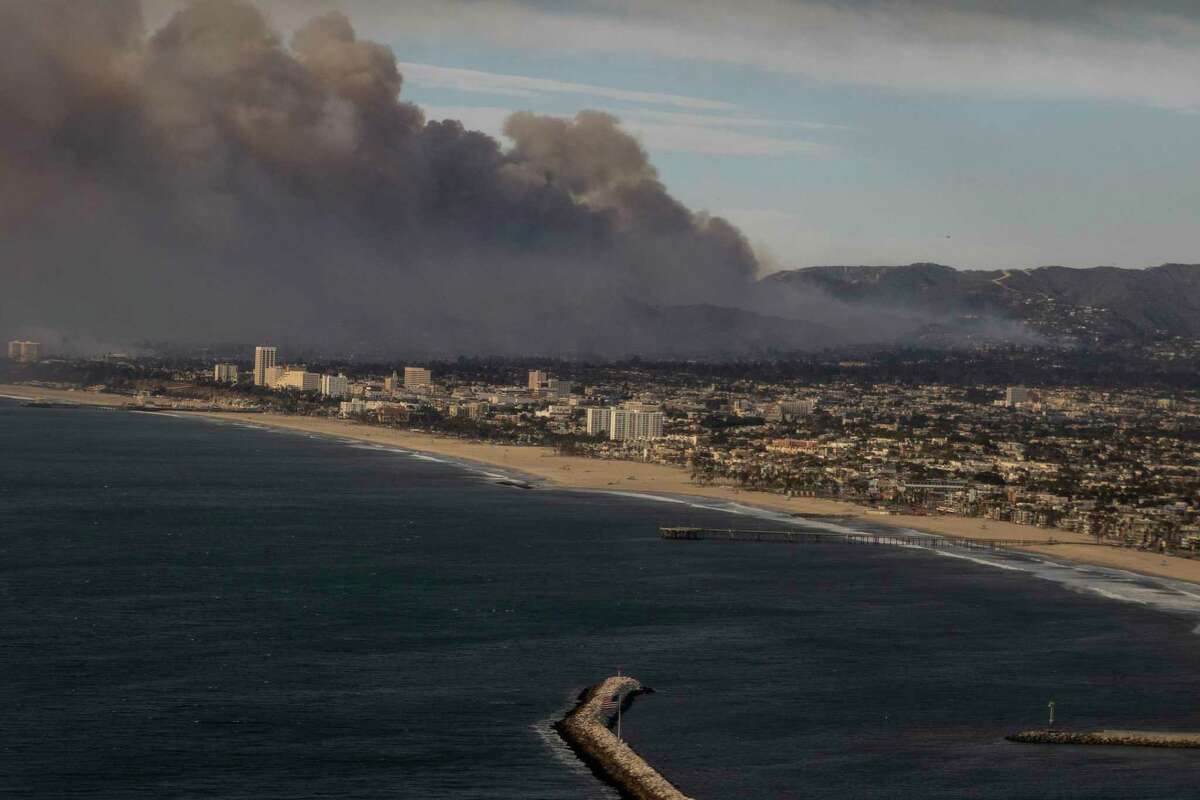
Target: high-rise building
264, 359
648, 425
417, 376
597, 420
14, 351
225, 373
620, 424
1015, 395
628, 424
390, 385
335, 385
537, 379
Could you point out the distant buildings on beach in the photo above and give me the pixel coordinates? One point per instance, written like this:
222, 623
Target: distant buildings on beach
1116, 463
632, 422
269, 374
23, 351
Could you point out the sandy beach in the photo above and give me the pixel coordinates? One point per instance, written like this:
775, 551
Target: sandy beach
577, 472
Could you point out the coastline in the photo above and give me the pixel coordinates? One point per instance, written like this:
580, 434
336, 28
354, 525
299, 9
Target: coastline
580, 472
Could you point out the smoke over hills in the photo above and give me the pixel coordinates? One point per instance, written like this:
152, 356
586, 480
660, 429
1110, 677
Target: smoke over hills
208, 180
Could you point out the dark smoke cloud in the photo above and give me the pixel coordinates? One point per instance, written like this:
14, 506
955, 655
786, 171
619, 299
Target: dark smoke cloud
208, 180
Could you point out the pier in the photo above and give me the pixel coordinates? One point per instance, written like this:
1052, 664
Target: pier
586, 730
857, 537
1109, 738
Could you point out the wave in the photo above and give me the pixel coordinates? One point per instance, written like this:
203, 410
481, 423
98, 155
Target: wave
559, 750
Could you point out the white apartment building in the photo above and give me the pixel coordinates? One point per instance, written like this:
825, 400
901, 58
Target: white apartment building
225, 373
417, 376
597, 421
620, 424
264, 359
14, 351
647, 425
626, 424
335, 385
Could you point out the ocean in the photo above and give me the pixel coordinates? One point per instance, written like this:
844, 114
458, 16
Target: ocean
200, 610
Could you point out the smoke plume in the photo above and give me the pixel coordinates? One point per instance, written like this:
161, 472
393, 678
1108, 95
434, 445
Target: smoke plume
208, 180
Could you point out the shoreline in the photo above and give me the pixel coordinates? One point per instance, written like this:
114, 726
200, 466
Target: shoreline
539, 464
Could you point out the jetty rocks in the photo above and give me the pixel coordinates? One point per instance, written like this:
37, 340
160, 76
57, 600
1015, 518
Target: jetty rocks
1109, 738
586, 730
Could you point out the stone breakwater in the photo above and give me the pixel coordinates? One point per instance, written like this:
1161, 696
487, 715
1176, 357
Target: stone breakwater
1109, 738
586, 730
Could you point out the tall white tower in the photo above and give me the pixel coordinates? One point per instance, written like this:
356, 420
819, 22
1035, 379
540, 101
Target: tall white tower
264, 359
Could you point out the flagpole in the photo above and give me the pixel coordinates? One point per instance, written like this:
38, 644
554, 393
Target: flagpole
619, 698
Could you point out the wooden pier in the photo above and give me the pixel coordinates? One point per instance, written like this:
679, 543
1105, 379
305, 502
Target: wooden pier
855, 537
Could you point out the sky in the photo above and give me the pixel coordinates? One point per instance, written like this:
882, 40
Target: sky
979, 134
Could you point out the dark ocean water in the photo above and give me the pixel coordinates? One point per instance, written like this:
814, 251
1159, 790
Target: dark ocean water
193, 610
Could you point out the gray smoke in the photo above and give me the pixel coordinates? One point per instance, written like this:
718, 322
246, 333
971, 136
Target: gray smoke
210, 181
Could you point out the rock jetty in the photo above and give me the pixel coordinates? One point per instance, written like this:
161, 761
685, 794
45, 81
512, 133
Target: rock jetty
586, 730
1109, 738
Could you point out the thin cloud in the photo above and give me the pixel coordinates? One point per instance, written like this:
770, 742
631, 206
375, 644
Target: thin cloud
718, 141
1113, 52
470, 80
708, 135
723, 121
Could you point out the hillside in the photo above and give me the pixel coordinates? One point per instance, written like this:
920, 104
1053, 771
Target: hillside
1100, 304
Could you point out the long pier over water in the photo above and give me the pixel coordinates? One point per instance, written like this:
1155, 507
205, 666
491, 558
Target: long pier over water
856, 537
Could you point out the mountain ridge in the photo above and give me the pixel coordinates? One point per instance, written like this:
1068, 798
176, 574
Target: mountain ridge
1103, 304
